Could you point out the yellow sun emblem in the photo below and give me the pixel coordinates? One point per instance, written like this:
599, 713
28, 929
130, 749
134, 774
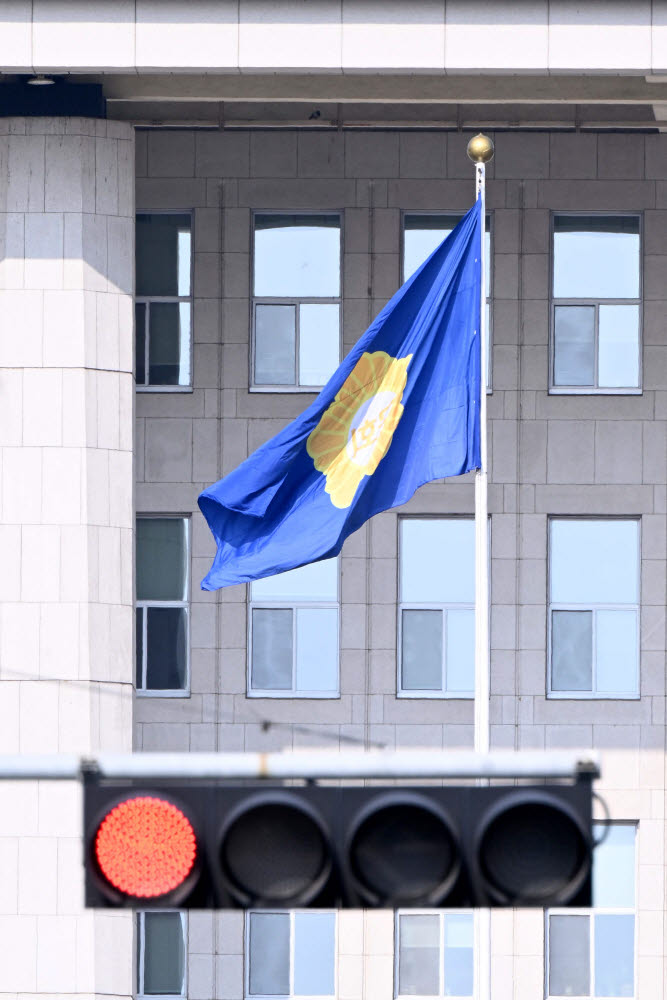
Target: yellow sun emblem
356, 429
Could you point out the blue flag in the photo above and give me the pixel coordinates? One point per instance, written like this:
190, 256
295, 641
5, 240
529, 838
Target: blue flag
402, 409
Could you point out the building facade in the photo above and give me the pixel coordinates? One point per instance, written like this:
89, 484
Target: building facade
177, 279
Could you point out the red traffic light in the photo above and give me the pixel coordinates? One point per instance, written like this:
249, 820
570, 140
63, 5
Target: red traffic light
208, 845
145, 847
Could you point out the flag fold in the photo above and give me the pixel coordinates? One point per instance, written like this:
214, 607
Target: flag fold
401, 410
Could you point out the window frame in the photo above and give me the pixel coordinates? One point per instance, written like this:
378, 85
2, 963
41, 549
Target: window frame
442, 916
291, 995
591, 912
429, 214
294, 606
595, 390
147, 299
443, 608
296, 301
184, 692
592, 695
140, 949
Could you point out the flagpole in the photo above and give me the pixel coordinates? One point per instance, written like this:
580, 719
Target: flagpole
480, 150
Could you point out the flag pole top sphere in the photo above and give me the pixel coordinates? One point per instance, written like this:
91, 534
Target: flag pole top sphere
480, 148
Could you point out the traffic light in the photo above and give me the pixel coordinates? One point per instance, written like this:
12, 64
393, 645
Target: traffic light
211, 845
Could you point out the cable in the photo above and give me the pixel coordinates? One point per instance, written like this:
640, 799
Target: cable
606, 823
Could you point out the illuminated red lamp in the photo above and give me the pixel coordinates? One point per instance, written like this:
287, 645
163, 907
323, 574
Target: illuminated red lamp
145, 847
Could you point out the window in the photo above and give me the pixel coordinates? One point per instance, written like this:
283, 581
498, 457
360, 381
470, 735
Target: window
161, 936
591, 953
594, 608
290, 954
422, 234
296, 301
434, 955
437, 608
596, 300
294, 633
163, 303
162, 605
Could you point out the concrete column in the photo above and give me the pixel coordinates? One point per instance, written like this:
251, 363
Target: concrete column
66, 528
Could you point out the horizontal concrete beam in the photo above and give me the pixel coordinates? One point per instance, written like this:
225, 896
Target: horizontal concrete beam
510, 36
367, 88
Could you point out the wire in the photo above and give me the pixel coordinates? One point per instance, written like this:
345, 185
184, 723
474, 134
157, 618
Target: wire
309, 731
606, 823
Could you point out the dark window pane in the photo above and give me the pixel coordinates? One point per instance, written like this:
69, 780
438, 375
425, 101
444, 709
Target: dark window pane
269, 954
166, 649
288, 221
272, 645
419, 955
164, 953
421, 650
622, 224
574, 346
438, 223
161, 558
163, 255
140, 331
569, 956
614, 955
139, 940
275, 345
169, 344
572, 651
139, 645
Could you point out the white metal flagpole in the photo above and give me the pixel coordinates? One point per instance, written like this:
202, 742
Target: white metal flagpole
480, 150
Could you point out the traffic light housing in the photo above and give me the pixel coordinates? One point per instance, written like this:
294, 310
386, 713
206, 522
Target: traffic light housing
223, 846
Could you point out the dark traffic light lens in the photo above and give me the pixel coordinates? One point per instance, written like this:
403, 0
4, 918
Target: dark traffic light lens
145, 847
275, 853
404, 853
534, 851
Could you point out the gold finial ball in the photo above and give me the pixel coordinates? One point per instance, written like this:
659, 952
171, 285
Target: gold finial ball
480, 148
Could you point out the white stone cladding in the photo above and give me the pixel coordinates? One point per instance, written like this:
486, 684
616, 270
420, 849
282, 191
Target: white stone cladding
66, 529
444, 36
548, 455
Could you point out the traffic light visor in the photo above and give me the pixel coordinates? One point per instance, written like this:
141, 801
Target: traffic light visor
532, 851
275, 851
404, 851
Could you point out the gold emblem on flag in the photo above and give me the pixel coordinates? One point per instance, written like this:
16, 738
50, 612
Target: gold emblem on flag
355, 431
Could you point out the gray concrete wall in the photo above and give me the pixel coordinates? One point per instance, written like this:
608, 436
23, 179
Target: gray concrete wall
588, 454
